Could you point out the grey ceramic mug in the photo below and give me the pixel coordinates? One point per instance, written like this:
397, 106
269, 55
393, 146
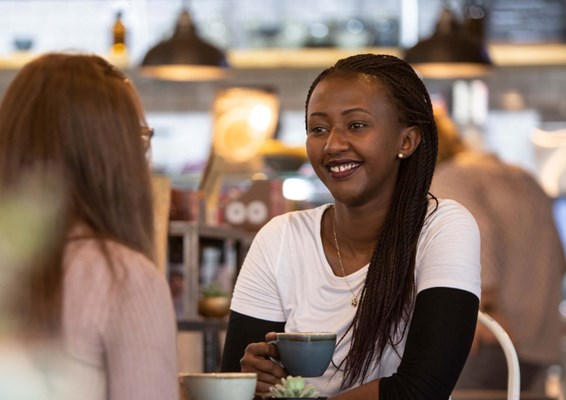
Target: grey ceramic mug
306, 354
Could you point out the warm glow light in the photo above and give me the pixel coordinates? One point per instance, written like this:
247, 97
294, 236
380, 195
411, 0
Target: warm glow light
184, 72
244, 118
260, 117
297, 189
447, 70
259, 176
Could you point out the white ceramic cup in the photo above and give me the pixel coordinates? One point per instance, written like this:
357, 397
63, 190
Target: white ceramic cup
218, 385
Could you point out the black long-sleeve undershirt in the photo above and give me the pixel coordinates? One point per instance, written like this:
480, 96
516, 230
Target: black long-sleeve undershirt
243, 330
438, 342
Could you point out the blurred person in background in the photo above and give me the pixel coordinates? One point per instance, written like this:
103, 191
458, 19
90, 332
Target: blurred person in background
522, 258
28, 224
97, 291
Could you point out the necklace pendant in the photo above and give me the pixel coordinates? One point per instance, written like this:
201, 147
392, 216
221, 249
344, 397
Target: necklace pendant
354, 301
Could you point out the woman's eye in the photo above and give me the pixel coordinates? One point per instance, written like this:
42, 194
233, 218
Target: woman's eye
357, 125
317, 130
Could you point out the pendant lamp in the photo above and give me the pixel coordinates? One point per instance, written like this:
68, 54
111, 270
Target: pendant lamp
185, 56
452, 52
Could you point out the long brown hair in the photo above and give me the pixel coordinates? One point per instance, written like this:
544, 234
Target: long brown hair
78, 115
388, 292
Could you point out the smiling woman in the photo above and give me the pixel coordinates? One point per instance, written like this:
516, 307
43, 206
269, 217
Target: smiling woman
373, 267
360, 122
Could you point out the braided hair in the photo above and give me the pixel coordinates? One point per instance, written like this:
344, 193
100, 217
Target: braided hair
389, 289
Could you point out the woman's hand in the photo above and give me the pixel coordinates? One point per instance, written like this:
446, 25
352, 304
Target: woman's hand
256, 359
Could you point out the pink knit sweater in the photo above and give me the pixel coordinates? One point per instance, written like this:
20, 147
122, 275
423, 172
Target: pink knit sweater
118, 324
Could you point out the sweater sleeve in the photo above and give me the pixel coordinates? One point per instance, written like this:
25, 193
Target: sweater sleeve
438, 343
140, 337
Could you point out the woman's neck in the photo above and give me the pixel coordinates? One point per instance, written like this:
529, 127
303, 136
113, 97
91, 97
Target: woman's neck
358, 227
355, 235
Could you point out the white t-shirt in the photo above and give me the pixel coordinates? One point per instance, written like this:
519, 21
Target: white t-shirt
286, 277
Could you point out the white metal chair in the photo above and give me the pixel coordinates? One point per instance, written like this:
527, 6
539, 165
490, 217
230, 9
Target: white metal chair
514, 374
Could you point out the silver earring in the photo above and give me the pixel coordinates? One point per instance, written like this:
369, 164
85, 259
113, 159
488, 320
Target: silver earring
400, 155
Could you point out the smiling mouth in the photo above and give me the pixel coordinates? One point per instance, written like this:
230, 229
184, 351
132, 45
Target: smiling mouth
342, 170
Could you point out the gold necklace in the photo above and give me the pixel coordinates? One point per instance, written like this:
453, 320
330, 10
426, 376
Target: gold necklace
354, 301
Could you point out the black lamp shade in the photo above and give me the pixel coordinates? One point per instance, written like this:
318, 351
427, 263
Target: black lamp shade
185, 56
451, 52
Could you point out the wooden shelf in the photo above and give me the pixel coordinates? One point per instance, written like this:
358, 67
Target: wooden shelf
193, 236
503, 55
192, 233
297, 58
180, 228
16, 60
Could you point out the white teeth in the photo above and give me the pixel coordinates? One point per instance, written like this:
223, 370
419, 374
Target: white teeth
342, 167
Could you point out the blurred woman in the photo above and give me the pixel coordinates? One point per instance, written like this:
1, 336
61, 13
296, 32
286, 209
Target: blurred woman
98, 289
521, 253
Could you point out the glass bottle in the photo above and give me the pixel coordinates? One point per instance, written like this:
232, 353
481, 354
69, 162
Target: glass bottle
118, 36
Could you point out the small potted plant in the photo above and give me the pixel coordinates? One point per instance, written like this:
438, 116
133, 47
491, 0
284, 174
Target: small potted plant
295, 387
214, 302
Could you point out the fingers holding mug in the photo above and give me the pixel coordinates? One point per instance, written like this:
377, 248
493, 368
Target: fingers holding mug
257, 358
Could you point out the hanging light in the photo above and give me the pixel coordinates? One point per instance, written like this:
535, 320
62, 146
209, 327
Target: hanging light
185, 56
450, 53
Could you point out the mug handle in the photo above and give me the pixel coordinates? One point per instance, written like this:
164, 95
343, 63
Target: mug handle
275, 360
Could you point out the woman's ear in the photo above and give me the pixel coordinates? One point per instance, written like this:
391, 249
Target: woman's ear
411, 137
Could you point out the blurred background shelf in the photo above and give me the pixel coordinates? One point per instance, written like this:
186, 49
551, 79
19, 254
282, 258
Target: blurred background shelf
504, 55
187, 239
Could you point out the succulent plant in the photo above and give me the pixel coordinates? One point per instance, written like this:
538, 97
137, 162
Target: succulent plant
294, 387
214, 290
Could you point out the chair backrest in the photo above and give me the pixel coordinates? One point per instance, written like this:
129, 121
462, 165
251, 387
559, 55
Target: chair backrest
514, 374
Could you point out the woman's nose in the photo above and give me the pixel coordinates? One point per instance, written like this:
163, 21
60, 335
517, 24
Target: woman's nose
336, 141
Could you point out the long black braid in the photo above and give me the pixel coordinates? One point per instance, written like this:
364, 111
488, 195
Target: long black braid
389, 290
